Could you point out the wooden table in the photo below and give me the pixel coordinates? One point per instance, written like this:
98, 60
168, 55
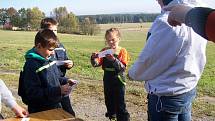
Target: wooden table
49, 115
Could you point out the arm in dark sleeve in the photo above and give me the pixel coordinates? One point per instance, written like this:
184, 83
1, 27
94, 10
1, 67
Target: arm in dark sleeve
121, 61
96, 62
64, 57
63, 80
197, 19
119, 66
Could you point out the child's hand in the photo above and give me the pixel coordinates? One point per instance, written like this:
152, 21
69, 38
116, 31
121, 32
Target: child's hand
69, 64
94, 55
65, 89
72, 82
110, 57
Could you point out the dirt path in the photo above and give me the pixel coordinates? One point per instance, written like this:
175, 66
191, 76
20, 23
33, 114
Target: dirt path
88, 101
92, 105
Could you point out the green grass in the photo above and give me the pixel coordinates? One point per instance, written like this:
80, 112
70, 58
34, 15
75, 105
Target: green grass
14, 44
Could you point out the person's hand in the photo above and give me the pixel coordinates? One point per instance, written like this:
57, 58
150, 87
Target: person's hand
20, 112
110, 57
65, 89
177, 14
69, 64
94, 55
71, 82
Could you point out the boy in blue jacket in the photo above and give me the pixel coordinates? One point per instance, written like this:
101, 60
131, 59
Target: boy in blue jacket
60, 54
41, 86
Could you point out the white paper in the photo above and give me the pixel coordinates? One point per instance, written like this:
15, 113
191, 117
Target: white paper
25, 119
62, 62
73, 86
105, 52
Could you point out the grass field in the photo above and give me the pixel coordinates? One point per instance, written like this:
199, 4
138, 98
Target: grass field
14, 44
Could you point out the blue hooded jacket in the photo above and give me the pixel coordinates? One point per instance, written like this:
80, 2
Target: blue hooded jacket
39, 84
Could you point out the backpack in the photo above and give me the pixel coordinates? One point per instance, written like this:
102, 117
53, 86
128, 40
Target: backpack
21, 89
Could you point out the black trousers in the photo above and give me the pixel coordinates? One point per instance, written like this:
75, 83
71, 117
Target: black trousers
66, 105
114, 100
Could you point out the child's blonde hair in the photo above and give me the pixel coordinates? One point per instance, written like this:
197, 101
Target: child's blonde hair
112, 30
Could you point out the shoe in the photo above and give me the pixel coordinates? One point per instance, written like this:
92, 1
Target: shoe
113, 119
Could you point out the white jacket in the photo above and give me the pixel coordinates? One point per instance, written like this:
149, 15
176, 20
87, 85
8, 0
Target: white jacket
6, 96
172, 60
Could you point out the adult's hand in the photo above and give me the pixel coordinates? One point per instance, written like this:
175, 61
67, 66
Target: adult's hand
177, 14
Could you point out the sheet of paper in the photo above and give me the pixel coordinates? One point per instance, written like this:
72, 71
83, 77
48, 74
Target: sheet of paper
60, 62
105, 52
75, 82
25, 119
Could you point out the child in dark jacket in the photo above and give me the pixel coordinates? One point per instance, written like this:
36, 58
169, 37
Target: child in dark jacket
41, 86
60, 55
113, 60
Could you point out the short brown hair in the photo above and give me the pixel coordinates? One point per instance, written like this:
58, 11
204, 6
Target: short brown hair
46, 38
47, 22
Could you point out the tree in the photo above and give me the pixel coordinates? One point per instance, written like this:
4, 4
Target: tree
23, 17
60, 13
35, 16
68, 23
15, 20
89, 26
11, 12
3, 16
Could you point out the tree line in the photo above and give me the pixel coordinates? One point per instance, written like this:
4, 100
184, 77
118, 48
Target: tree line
29, 19
121, 18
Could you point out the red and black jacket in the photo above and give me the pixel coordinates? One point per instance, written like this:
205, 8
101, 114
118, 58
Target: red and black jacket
117, 67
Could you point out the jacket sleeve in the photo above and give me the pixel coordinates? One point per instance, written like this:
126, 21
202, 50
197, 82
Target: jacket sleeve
197, 19
6, 95
61, 54
35, 93
210, 26
63, 80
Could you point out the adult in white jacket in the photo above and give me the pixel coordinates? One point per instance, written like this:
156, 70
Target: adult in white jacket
171, 64
7, 98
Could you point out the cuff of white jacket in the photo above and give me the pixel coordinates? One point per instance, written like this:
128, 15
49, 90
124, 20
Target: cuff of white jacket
131, 75
11, 103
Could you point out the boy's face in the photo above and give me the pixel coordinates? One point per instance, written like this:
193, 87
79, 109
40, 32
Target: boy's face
112, 40
54, 29
45, 52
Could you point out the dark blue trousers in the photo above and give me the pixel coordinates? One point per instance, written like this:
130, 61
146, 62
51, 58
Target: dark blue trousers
171, 108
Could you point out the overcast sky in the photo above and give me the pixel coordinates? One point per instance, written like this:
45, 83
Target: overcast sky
86, 7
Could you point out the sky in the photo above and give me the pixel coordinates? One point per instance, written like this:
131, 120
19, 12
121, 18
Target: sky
91, 7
